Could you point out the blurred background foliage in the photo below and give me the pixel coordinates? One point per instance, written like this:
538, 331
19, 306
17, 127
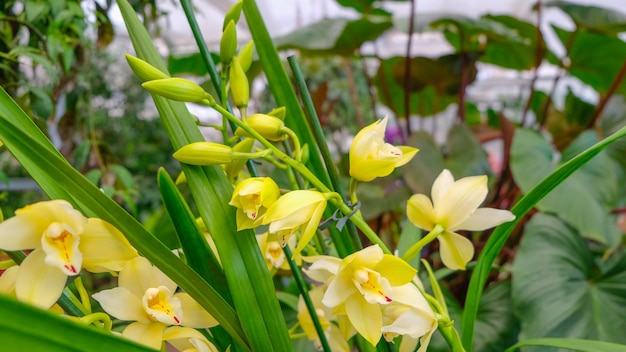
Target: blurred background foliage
563, 271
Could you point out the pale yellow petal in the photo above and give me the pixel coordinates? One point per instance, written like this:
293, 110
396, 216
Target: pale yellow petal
420, 212
38, 283
367, 257
184, 339
339, 290
150, 334
20, 232
455, 250
8, 279
407, 154
461, 200
441, 185
366, 318
104, 247
323, 267
292, 209
311, 227
122, 304
485, 218
396, 270
137, 276
193, 314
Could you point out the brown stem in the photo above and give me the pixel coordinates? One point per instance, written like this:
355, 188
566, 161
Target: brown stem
602, 104
407, 70
354, 95
539, 54
546, 106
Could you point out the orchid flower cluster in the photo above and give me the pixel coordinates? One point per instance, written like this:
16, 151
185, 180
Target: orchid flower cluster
370, 292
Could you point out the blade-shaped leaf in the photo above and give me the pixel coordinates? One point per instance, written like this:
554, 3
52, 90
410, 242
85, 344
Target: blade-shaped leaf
571, 344
26, 328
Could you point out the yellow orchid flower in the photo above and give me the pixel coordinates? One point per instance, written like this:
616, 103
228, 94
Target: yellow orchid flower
371, 157
295, 210
188, 340
252, 197
63, 242
411, 317
8, 279
454, 207
360, 284
336, 335
273, 253
146, 296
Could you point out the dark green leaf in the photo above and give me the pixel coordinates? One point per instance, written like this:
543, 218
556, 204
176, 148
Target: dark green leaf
26, 328
562, 289
594, 58
593, 18
571, 344
123, 175
462, 155
583, 200
334, 36
519, 53
189, 64
425, 103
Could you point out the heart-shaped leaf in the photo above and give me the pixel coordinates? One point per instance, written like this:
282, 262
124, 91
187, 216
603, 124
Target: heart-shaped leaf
561, 288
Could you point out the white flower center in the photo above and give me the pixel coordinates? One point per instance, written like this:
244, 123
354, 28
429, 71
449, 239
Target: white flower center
60, 243
162, 306
375, 289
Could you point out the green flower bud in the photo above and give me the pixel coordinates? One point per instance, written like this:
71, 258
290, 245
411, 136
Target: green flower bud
178, 89
269, 127
279, 112
233, 169
228, 43
144, 70
239, 86
204, 153
305, 154
233, 14
245, 55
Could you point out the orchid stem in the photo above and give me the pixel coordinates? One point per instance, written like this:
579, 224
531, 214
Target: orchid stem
82, 292
104, 318
417, 247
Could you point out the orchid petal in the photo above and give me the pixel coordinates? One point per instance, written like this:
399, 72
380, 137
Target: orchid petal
122, 304
150, 334
193, 314
396, 270
440, 188
311, 227
323, 267
8, 279
456, 250
366, 318
461, 200
485, 218
104, 247
38, 283
339, 289
420, 212
20, 232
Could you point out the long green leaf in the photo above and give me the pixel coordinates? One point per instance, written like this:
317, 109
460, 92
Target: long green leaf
197, 251
283, 92
26, 328
251, 285
571, 344
499, 236
47, 166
